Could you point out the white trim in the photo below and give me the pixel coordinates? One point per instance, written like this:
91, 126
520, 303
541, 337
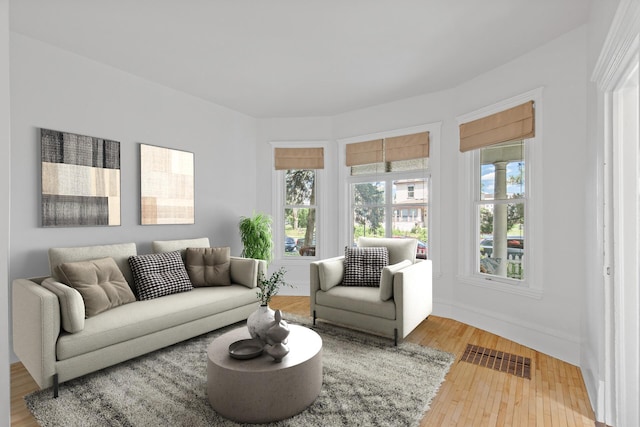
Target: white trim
434, 130
620, 49
277, 196
545, 340
532, 285
619, 45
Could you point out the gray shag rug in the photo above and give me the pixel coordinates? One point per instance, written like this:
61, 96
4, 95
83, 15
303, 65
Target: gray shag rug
366, 382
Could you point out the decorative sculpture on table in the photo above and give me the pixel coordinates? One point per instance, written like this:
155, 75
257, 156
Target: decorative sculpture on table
277, 338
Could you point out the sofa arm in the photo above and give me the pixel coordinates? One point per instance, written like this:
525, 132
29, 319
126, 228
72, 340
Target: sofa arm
413, 295
36, 326
244, 271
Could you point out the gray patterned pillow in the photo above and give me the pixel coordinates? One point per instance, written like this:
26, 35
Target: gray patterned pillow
157, 275
363, 266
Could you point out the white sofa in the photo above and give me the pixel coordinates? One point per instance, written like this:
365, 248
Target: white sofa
403, 300
53, 355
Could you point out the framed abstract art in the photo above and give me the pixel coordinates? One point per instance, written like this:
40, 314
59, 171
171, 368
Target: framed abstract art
166, 186
80, 180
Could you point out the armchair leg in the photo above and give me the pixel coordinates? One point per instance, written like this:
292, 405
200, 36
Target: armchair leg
314, 318
395, 337
56, 386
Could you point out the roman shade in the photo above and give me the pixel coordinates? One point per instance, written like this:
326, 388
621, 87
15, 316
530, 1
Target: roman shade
406, 147
508, 125
403, 147
299, 158
364, 153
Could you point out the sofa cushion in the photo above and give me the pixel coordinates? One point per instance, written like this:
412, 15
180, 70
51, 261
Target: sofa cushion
386, 279
363, 266
120, 253
143, 318
209, 266
161, 246
158, 275
357, 299
71, 305
399, 249
100, 282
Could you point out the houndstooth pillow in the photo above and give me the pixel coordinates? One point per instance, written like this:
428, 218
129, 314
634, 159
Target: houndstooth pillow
363, 266
158, 275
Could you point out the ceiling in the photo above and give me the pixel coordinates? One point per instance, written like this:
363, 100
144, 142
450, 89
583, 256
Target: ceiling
293, 58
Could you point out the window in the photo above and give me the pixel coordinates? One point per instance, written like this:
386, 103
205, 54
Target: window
300, 212
502, 171
500, 207
389, 191
296, 222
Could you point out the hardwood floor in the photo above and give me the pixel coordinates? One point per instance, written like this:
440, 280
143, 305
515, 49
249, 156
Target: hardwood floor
470, 396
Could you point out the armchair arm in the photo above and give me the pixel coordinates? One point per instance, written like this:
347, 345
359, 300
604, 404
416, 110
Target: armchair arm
413, 295
324, 274
244, 271
36, 326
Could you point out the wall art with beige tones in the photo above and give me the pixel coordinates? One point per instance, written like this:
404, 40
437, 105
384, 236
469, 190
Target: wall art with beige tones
166, 186
80, 180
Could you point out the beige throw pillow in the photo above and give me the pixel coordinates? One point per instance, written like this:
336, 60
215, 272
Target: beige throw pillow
100, 282
209, 266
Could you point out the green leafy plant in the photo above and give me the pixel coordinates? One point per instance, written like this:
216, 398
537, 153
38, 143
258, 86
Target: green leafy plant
268, 287
255, 233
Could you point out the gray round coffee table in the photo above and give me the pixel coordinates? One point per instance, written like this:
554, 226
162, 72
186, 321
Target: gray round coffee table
259, 390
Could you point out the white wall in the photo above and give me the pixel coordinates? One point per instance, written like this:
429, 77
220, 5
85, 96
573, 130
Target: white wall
5, 192
52, 88
550, 324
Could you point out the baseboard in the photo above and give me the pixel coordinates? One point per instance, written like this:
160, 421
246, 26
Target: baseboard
545, 340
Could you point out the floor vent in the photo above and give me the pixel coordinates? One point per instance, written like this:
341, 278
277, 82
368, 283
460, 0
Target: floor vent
500, 361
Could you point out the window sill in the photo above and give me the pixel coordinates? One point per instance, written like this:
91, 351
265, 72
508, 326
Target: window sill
497, 285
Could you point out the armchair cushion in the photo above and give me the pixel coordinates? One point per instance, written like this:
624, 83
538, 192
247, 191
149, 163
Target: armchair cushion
399, 249
386, 279
331, 272
363, 266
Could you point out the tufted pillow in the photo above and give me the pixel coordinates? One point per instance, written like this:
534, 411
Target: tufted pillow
157, 275
71, 305
100, 282
209, 266
386, 279
363, 266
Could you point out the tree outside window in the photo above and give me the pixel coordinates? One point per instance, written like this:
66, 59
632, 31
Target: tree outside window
300, 212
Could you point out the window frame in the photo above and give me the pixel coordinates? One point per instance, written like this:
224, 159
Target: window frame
279, 205
432, 175
469, 202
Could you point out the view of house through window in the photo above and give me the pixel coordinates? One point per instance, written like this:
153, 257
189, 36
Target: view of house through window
392, 203
501, 210
300, 213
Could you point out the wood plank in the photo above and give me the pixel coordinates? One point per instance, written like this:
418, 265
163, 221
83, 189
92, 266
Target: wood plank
471, 395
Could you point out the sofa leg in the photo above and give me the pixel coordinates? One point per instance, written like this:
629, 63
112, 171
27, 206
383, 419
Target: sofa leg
56, 386
314, 318
395, 337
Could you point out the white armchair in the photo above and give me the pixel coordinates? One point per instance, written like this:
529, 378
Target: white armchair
401, 302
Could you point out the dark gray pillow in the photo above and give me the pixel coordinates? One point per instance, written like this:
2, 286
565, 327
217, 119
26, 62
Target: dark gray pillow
363, 266
157, 275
